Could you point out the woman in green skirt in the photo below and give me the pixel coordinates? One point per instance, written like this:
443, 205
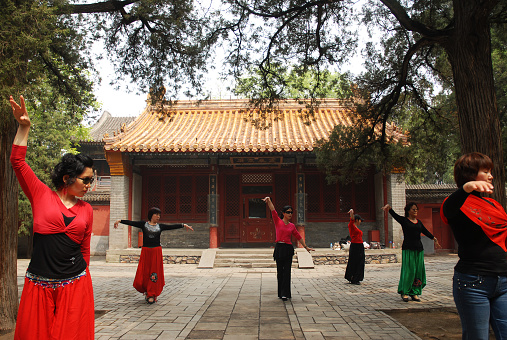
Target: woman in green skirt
413, 273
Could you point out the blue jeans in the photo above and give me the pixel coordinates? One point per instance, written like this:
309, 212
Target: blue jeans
481, 300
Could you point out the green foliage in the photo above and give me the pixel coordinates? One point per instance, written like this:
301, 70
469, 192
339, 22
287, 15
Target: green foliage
42, 58
55, 127
295, 83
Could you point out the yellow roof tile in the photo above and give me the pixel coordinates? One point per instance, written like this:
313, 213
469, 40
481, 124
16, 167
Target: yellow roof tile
220, 126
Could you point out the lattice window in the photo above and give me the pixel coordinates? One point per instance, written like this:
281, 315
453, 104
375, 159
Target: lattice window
169, 205
185, 194
170, 195
256, 178
312, 188
154, 185
201, 193
282, 191
362, 199
329, 197
345, 197
232, 203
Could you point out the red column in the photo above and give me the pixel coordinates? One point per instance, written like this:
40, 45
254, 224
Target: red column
213, 237
301, 230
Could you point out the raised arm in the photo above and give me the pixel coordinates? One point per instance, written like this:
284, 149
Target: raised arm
21, 116
351, 213
269, 203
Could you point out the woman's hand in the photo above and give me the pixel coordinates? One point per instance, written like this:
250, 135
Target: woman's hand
188, 227
19, 111
437, 245
267, 199
480, 186
116, 224
308, 249
386, 208
351, 213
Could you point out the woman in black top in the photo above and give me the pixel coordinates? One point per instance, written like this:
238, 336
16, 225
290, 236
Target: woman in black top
149, 278
413, 272
479, 225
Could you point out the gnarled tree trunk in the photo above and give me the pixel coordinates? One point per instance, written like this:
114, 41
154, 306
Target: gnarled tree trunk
8, 232
469, 50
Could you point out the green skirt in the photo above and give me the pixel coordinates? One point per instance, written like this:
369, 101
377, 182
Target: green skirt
413, 273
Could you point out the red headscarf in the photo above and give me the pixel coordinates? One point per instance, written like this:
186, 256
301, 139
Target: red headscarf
488, 214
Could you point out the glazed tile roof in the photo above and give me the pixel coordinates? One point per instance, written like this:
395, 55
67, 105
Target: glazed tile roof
220, 126
108, 125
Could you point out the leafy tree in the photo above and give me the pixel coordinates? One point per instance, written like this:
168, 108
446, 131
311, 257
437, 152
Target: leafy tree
305, 85
418, 44
38, 50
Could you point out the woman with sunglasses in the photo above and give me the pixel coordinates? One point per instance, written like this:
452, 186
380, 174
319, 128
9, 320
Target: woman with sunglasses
413, 272
149, 278
57, 297
284, 251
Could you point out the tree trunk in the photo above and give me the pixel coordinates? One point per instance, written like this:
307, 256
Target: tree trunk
469, 50
8, 232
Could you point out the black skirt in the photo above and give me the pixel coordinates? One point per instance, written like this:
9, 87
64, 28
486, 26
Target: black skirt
355, 265
282, 251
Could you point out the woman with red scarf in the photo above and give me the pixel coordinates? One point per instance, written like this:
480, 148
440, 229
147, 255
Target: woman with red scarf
57, 298
479, 225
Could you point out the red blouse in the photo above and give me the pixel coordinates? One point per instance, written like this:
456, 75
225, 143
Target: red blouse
284, 231
356, 235
48, 209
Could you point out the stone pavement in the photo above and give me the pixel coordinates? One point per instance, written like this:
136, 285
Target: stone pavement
241, 303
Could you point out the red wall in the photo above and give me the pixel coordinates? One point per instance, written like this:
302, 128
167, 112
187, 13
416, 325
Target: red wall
100, 220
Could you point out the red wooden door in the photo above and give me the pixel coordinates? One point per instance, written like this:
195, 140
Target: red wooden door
442, 231
256, 224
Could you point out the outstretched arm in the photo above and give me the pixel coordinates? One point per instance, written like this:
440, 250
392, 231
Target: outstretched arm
21, 116
308, 249
351, 212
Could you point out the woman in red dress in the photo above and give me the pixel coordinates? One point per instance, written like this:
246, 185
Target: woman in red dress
149, 278
57, 298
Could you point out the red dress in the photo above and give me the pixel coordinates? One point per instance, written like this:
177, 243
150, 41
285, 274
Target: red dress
149, 278
57, 298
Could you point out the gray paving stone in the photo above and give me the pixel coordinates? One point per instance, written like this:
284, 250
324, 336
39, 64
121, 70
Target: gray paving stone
241, 303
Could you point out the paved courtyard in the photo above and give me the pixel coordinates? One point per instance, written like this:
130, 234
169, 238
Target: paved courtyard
240, 303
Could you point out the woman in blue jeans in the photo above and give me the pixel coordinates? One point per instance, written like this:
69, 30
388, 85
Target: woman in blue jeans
479, 225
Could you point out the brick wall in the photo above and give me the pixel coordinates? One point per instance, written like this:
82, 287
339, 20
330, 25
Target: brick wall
118, 238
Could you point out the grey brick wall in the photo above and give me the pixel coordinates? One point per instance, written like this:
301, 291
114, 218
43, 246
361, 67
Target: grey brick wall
321, 234
118, 238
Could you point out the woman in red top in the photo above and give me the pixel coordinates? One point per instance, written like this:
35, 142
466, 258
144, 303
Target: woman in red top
355, 266
284, 251
57, 298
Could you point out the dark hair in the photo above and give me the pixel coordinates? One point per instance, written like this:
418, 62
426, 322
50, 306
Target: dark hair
408, 207
284, 209
153, 211
71, 165
467, 167
358, 217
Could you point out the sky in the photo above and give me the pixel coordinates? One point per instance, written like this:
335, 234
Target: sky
121, 103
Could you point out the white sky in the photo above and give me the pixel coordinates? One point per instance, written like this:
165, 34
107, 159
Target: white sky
123, 103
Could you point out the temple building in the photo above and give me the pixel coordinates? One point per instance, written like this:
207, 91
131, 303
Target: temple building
205, 164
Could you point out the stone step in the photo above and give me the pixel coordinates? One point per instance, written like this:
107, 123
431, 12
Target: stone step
246, 259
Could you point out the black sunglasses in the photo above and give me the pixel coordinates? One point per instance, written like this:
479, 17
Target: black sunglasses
87, 180
288, 212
